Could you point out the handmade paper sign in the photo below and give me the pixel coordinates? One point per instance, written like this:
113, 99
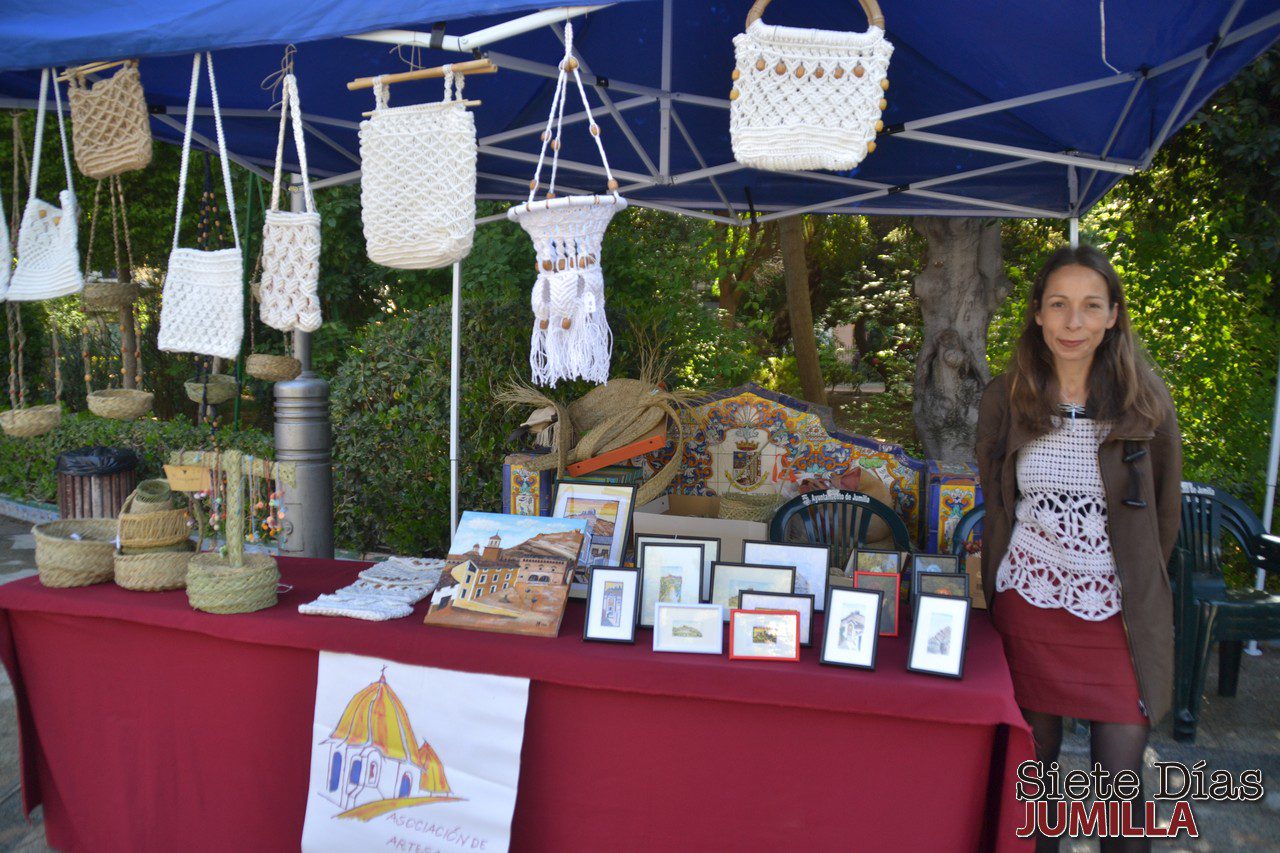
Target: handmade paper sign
412, 758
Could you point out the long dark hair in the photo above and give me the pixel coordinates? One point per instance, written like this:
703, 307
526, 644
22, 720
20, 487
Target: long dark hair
1121, 378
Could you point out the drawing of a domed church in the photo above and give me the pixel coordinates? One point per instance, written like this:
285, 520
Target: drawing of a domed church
375, 762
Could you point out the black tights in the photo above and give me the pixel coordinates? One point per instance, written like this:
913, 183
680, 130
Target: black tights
1116, 746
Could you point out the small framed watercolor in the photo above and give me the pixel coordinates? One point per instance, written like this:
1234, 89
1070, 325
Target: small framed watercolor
671, 573
934, 563
874, 560
642, 538
690, 628
891, 586
764, 635
729, 580
852, 628
954, 584
800, 602
939, 636
812, 562
613, 601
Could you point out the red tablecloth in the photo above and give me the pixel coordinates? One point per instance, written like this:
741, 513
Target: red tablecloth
148, 726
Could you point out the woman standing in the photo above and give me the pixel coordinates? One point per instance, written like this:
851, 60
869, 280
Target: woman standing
1081, 465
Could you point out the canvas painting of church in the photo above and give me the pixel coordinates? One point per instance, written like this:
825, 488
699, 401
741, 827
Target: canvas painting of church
508, 573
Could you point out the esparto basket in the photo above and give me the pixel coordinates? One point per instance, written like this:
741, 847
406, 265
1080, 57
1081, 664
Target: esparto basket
157, 528
272, 368
107, 295
64, 561
154, 569
214, 586
120, 404
32, 421
220, 388
154, 495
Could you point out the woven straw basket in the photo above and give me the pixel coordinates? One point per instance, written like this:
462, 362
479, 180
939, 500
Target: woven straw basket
30, 422
153, 496
151, 529
154, 570
272, 368
750, 507
64, 561
108, 295
218, 390
215, 587
120, 404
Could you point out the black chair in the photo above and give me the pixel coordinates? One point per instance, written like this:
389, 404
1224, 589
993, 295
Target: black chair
965, 529
1205, 611
837, 518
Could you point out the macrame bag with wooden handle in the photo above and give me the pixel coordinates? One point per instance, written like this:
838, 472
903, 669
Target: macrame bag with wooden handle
290, 297
806, 98
48, 260
203, 302
110, 125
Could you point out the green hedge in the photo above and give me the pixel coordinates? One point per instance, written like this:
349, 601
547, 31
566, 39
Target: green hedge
27, 464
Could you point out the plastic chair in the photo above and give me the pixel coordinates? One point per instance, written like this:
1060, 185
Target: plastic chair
838, 518
965, 529
1205, 612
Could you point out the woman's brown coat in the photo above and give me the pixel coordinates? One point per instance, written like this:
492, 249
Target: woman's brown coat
1142, 538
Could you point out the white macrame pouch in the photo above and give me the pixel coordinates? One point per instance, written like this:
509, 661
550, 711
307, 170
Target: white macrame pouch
807, 99
110, 125
290, 297
571, 337
418, 180
202, 307
48, 261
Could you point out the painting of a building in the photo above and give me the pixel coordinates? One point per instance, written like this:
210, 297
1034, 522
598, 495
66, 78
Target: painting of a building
851, 630
374, 755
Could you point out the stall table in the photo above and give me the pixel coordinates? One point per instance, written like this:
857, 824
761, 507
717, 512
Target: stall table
147, 726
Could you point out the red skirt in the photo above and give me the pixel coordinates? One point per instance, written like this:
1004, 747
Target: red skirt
1062, 664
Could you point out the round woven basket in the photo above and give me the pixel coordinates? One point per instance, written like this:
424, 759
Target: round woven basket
120, 404
153, 496
154, 570
272, 368
158, 528
80, 561
215, 587
221, 389
30, 422
749, 507
107, 295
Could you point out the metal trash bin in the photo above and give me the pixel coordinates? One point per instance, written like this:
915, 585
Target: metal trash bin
94, 481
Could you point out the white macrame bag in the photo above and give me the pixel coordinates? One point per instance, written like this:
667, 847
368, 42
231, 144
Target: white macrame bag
571, 337
807, 99
110, 125
418, 180
202, 307
48, 260
290, 297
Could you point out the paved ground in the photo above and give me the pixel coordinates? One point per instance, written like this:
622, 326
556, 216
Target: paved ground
1235, 734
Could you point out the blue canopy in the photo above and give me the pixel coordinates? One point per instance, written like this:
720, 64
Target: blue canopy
1001, 108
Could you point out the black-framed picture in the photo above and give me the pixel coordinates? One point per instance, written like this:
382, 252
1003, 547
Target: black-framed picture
933, 564
801, 602
891, 585
670, 573
730, 580
607, 509
873, 560
613, 601
954, 584
939, 636
852, 628
710, 553
812, 563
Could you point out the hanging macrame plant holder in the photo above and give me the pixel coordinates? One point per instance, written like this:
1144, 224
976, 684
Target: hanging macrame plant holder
289, 289
110, 125
269, 367
571, 337
418, 180
805, 98
48, 261
107, 294
202, 309
23, 421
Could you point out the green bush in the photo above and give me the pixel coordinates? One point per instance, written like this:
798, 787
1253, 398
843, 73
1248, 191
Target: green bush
27, 464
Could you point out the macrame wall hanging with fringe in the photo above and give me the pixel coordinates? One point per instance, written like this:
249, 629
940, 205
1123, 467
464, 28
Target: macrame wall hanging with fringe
105, 295
805, 98
571, 337
202, 307
110, 125
48, 260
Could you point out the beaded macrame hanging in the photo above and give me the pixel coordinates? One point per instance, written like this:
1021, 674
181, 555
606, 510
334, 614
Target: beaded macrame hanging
806, 98
571, 337
48, 261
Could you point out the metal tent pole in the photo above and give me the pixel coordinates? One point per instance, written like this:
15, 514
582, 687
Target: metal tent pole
1074, 231
455, 362
304, 437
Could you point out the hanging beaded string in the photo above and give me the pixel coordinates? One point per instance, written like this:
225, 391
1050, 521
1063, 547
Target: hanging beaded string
253, 493
15, 401
13, 313
88, 268
125, 274
57, 366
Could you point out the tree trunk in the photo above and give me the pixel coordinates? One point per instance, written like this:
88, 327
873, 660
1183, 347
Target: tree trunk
739, 252
961, 287
796, 273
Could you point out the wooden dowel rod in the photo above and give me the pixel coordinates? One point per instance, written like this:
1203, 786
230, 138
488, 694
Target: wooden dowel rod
91, 68
471, 66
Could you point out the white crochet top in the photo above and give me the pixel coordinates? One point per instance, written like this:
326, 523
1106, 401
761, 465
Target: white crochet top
1060, 554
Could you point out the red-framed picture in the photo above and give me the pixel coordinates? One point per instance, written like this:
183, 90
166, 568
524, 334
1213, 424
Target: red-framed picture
764, 635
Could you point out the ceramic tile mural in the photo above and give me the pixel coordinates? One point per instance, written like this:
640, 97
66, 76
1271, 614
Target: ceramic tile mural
747, 439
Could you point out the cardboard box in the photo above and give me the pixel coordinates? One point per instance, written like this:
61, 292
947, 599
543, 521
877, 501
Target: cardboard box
973, 568
697, 515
